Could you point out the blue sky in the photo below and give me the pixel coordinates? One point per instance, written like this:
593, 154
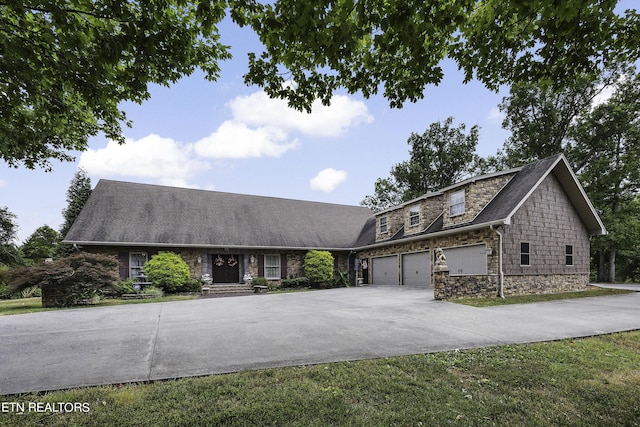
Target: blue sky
225, 136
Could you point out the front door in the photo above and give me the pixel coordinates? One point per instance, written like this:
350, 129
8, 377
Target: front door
226, 268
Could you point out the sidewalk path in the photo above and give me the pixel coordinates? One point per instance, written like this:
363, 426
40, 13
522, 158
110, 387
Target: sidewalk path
128, 343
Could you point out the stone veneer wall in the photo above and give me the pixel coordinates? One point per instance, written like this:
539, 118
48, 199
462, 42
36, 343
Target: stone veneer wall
395, 220
453, 287
430, 209
545, 284
477, 195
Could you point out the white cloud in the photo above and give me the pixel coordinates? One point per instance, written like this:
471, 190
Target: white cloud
3, 182
327, 180
235, 140
164, 159
258, 109
495, 114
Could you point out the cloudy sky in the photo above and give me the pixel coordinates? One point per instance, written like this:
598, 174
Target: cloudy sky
226, 136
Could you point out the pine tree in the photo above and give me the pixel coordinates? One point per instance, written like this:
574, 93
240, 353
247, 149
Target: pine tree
77, 195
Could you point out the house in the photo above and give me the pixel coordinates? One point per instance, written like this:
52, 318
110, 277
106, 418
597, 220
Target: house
222, 234
524, 230
520, 231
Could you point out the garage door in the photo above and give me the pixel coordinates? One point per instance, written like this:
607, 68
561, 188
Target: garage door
471, 260
416, 270
385, 270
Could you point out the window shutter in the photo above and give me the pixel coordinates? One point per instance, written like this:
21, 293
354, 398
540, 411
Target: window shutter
283, 266
261, 265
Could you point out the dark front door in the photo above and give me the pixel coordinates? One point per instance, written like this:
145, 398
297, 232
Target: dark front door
226, 268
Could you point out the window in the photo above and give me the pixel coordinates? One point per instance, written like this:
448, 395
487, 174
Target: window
525, 252
137, 260
456, 203
414, 216
568, 251
272, 266
383, 224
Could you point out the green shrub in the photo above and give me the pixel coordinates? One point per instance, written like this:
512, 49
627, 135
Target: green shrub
318, 267
66, 281
167, 271
341, 279
260, 281
120, 288
296, 282
192, 285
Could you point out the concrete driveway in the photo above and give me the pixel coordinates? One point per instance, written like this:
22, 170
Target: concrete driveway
84, 347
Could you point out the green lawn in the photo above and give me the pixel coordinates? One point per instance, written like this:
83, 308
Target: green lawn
593, 291
33, 305
582, 382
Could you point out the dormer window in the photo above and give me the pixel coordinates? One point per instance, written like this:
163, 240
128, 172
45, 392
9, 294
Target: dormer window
414, 216
383, 224
456, 203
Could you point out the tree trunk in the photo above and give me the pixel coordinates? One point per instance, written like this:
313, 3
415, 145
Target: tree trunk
601, 266
612, 264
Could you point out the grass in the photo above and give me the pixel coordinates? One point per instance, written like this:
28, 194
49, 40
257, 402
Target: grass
34, 305
581, 382
593, 291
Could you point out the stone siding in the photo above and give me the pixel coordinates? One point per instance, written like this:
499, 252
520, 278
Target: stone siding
395, 221
447, 287
477, 195
430, 210
545, 284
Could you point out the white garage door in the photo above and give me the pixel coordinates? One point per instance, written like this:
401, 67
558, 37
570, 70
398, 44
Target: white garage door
385, 270
416, 270
468, 260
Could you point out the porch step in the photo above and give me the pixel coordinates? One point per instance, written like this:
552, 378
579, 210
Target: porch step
226, 289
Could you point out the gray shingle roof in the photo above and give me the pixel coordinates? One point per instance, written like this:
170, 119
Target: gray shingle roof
140, 214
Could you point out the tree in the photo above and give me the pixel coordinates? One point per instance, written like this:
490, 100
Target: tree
168, 271
42, 244
67, 65
77, 195
439, 157
540, 116
400, 45
606, 152
318, 267
66, 281
9, 254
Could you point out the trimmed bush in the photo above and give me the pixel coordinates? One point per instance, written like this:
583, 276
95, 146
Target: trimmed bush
260, 281
318, 267
67, 281
297, 282
167, 271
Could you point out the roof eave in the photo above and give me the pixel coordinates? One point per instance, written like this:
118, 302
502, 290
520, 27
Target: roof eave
442, 233
204, 246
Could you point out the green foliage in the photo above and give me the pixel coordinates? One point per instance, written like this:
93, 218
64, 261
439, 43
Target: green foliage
72, 279
9, 254
168, 271
68, 65
77, 195
439, 157
42, 244
400, 46
94, 55
296, 282
122, 287
192, 285
318, 267
341, 279
260, 281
